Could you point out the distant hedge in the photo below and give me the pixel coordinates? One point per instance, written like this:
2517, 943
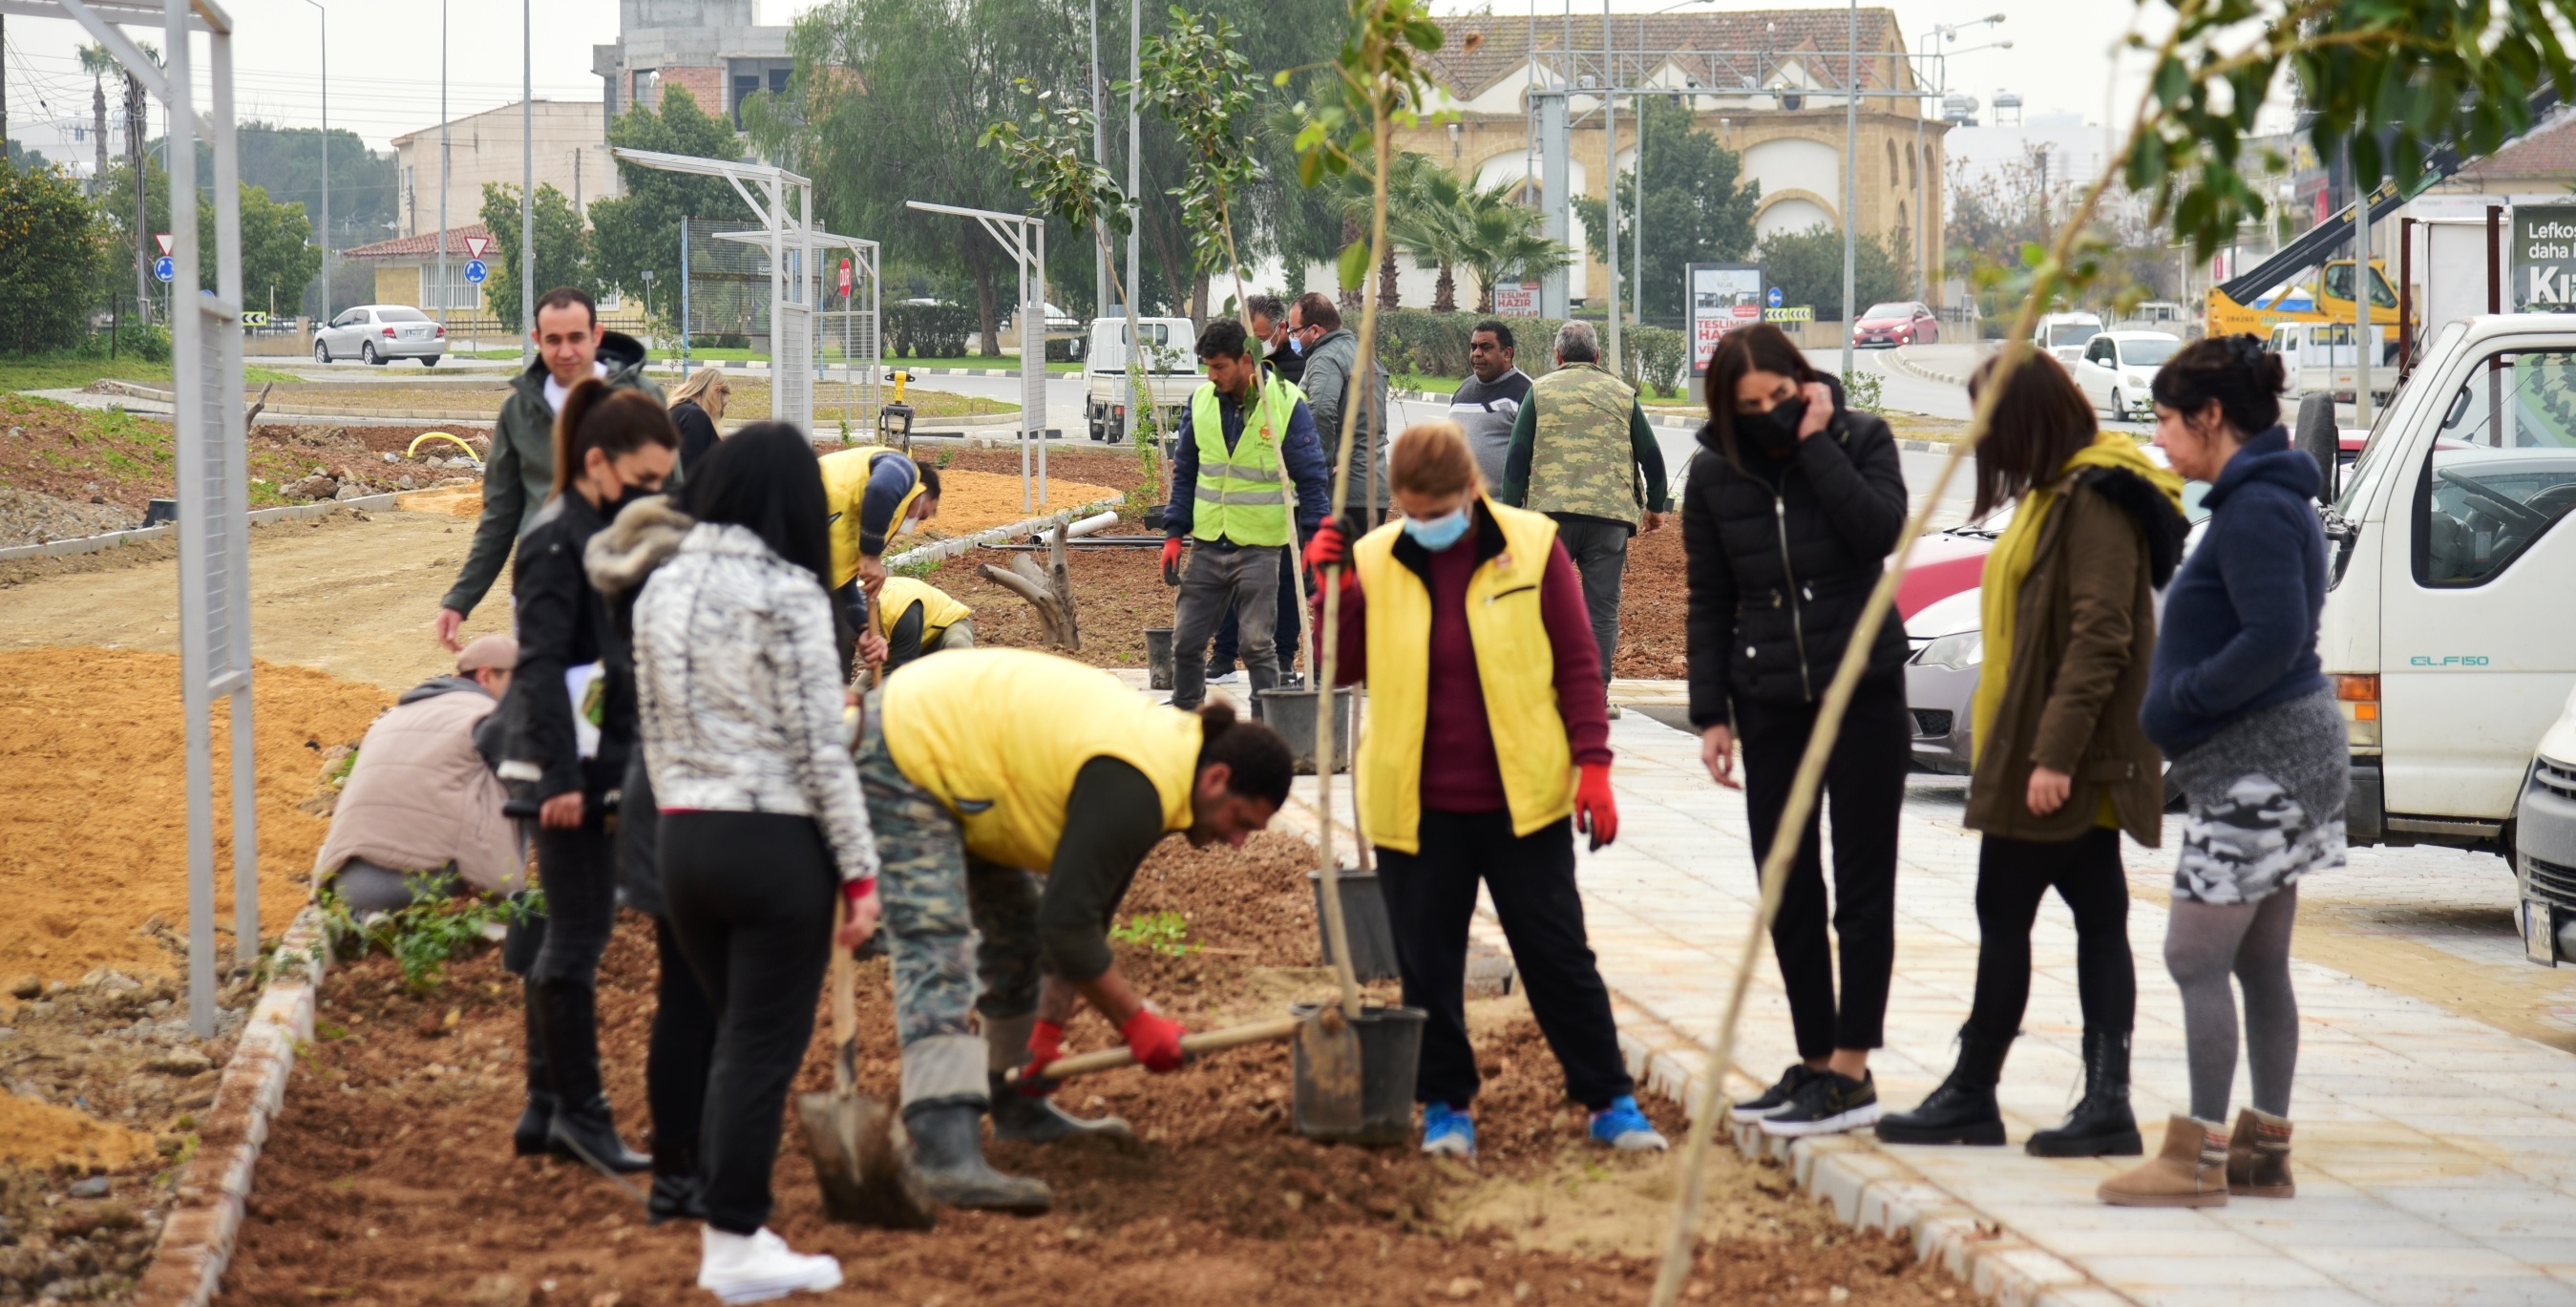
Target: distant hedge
928, 331
1435, 344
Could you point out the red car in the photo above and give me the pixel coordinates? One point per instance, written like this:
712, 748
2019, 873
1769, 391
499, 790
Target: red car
1907, 322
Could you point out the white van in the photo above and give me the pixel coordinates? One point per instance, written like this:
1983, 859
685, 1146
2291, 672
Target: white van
2064, 335
1171, 372
2319, 360
2450, 622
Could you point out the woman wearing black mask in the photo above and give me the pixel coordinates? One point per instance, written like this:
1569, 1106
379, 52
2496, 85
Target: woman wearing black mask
612, 448
1792, 502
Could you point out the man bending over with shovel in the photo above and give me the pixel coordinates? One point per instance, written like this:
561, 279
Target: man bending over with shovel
985, 770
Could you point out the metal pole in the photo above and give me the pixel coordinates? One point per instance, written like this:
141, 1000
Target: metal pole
1033, 370
1929, 292
1135, 146
196, 507
442, 165
2364, 343
2405, 295
684, 295
1610, 188
1851, 177
326, 156
1637, 215
527, 181
223, 522
1099, 156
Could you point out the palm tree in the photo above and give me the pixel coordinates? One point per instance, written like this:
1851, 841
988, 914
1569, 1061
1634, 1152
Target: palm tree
1425, 208
1499, 239
98, 63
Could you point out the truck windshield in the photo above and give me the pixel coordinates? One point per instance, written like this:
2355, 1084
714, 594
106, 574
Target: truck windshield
2364, 475
2502, 469
2072, 333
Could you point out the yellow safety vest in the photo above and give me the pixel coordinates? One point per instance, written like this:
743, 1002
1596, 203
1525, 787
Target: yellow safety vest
845, 481
1514, 659
996, 735
939, 609
1238, 489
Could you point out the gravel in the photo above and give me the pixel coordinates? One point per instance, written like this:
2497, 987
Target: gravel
28, 518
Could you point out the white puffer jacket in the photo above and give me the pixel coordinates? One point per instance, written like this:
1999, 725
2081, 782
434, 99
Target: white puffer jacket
741, 690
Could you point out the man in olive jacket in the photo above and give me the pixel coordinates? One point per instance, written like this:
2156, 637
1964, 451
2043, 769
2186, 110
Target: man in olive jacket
519, 469
1332, 355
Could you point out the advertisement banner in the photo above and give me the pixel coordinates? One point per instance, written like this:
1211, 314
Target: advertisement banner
1516, 299
1723, 297
2544, 259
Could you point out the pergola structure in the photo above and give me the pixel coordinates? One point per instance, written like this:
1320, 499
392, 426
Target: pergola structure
214, 507
1024, 239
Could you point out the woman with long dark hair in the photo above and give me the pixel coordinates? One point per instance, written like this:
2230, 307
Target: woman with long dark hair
763, 830
2062, 767
2238, 699
1793, 502
612, 448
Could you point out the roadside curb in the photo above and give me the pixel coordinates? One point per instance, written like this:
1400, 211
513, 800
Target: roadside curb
947, 549
197, 1236
282, 513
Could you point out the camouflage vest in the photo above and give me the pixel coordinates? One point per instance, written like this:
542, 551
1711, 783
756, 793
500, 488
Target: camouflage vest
1580, 461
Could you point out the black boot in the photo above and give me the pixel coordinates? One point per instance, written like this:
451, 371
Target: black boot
528, 1138
1026, 1120
2101, 1124
1962, 1110
948, 1151
582, 1127
679, 1193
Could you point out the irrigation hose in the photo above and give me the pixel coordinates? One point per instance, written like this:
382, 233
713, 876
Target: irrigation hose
427, 436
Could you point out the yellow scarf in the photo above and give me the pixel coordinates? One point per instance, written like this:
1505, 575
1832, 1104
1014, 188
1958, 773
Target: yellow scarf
2009, 565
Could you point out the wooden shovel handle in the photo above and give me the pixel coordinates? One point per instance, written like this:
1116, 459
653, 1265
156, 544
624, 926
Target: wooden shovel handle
845, 1006
1110, 1059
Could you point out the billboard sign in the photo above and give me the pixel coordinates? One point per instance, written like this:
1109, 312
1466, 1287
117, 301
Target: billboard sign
2544, 259
1516, 299
1723, 297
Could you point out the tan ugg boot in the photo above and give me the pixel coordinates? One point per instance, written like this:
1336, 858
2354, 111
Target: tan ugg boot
2189, 1171
2258, 1156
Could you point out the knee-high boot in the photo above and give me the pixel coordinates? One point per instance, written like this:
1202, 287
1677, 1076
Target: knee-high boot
583, 1125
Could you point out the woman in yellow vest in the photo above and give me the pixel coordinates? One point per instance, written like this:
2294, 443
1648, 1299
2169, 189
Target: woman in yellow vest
874, 494
1013, 794
914, 617
1487, 743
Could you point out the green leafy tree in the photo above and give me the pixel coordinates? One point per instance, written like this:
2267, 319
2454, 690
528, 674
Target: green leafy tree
563, 248
50, 260
641, 228
1807, 266
277, 251
1698, 207
1200, 85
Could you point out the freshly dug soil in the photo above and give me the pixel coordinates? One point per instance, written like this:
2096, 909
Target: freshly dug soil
93, 804
388, 1177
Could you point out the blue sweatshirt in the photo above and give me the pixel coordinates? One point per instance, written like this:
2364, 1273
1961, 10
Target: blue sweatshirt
2240, 623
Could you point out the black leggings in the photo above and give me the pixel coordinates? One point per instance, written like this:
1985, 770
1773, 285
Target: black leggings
750, 896
676, 1061
2012, 877
1865, 780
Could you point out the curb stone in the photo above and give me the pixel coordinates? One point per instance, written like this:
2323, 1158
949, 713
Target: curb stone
284, 513
197, 1236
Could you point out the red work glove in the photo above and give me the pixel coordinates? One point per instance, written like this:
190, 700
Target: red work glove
1046, 1044
1596, 812
1155, 1039
1172, 561
1329, 547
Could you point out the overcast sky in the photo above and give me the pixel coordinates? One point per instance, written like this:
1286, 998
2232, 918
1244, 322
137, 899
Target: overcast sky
385, 56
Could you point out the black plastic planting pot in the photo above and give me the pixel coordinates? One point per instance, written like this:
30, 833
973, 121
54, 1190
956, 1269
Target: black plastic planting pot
1390, 1053
1364, 917
1158, 657
1292, 714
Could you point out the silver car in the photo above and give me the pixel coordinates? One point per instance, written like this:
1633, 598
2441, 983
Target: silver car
381, 333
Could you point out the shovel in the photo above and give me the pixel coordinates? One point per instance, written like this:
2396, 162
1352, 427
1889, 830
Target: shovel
1192, 1047
865, 1171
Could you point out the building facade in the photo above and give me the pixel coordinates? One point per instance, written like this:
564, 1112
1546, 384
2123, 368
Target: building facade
712, 47
489, 147
407, 271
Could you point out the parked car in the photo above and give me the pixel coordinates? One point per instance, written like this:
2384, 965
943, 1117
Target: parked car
2063, 335
379, 334
2544, 845
2119, 366
1906, 322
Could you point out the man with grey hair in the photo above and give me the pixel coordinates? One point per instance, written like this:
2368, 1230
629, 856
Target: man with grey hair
1270, 327
1583, 454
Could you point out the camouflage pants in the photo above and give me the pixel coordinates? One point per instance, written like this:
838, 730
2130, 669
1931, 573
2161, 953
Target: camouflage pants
962, 932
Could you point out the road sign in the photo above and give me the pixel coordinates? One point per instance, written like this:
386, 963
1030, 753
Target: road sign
165, 269
475, 272
255, 318
845, 278
164, 238
475, 245
1802, 313
1775, 297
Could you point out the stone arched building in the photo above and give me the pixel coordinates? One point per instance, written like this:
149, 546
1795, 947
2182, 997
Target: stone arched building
1772, 81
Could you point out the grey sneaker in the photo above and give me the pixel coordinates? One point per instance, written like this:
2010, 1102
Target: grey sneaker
1777, 1096
1829, 1104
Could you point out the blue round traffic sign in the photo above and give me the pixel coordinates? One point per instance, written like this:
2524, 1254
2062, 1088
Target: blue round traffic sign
1775, 297
164, 269
475, 272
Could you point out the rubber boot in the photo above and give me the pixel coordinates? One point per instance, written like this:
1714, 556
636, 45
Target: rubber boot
1022, 1119
1962, 1110
2258, 1156
528, 1138
678, 1193
948, 1151
2190, 1170
583, 1127
2101, 1124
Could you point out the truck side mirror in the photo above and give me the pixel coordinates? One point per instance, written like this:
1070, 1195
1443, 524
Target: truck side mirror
2318, 435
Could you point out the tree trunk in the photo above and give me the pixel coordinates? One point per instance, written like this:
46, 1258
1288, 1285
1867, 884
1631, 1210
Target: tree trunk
979, 265
1387, 296
1200, 291
1444, 296
1484, 294
98, 116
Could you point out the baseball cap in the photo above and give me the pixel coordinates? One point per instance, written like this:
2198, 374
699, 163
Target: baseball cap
493, 652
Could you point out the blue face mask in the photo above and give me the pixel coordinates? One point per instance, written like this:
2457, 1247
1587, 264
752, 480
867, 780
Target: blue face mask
1297, 345
1438, 533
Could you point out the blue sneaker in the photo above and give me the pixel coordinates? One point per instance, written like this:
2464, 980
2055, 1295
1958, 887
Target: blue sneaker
1623, 1127
1447, 1132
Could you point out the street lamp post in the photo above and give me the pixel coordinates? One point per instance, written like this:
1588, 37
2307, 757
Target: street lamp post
326, 155
442, 167
527, 183
1927, 255
1851, 176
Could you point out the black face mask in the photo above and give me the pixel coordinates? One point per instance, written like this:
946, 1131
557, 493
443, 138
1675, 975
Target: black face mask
630, 494
1774, 432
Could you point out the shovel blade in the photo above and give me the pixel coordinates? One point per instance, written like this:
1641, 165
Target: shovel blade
865, 1172
1328, 1098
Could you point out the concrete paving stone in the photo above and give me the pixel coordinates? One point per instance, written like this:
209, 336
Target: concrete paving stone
2534, 1290
2328, 1295
2180, 1266
2365, 1263
2370, 1225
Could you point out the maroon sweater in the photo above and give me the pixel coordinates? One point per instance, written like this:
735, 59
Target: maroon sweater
1459, 771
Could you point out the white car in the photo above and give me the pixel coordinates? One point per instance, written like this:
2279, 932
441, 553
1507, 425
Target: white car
2544, 844
2117, 367
379, 334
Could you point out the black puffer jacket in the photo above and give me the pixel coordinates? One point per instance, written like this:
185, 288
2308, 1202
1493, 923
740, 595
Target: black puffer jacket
1783, 556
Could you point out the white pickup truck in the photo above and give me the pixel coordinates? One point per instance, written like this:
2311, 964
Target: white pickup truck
1171, 373
2450, 625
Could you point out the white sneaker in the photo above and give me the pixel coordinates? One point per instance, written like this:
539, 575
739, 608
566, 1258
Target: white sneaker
759, 1266
1227, 677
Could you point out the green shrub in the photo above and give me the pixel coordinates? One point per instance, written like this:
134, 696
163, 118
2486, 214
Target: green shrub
1435, 345
51, 258
929, 331
148, 341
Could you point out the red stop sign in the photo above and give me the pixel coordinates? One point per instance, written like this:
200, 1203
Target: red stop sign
845, 276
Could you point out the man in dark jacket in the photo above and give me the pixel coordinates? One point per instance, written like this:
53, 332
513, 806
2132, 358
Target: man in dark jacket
1331, 358
519, 469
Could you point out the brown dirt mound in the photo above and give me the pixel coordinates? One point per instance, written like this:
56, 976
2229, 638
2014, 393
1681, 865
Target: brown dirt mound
93, 801
40, 1134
